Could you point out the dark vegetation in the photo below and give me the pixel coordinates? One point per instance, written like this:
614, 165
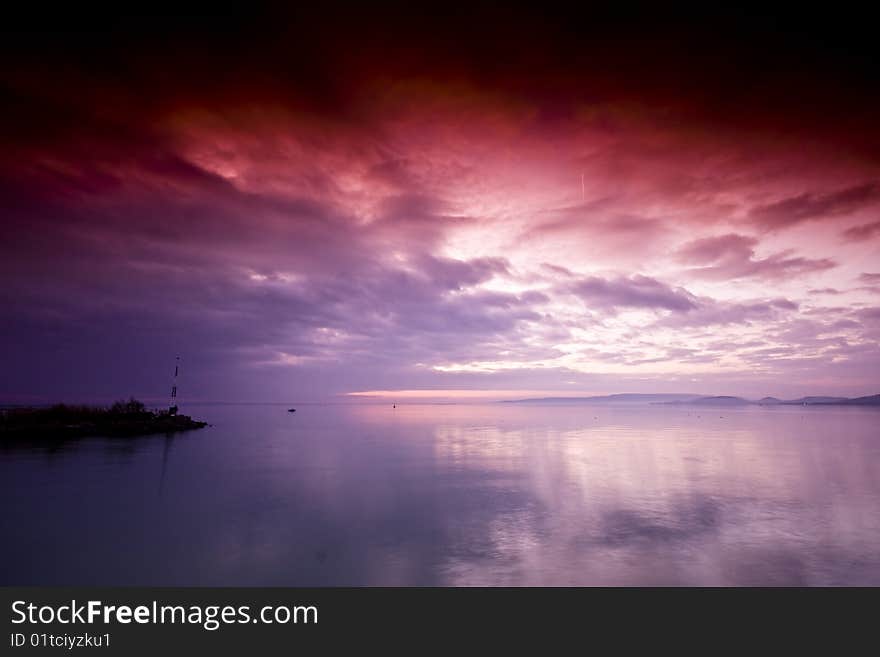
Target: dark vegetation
64, 421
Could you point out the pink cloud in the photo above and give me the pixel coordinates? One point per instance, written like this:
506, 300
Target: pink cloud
427, 229
862, 231
810, 206
631, 292
732, 256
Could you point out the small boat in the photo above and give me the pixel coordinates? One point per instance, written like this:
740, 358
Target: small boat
291, 410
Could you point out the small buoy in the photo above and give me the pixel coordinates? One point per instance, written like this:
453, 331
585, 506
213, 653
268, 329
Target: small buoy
394, 406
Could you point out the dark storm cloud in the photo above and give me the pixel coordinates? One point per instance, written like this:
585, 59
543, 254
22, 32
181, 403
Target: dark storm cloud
810, 70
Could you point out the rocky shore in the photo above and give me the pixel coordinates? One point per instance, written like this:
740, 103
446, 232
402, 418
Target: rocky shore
63, 422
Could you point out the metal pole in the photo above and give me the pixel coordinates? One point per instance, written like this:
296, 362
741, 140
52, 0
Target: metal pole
172, 408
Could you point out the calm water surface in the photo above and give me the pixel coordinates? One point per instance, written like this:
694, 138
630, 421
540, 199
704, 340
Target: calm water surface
455, 495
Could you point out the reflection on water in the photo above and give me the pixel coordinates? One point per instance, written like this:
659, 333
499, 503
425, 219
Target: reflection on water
455, 495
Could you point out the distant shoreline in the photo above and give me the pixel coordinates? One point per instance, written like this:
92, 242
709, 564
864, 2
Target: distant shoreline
702, 400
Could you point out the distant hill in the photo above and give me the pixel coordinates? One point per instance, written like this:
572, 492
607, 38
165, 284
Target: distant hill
820, 400
702, 400
870, 400
720, 400
873, 400
816, 400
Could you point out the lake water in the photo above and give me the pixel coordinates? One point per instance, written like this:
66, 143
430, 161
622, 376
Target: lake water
455, 495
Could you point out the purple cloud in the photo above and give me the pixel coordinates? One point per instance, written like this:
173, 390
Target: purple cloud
710, 312
457, 274
287, 252
862, 232
732, 256
631, 292
804, 207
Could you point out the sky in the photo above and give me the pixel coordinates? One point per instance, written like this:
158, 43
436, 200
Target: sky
474, 203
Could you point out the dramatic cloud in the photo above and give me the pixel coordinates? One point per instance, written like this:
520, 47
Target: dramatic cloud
733, 256
803, 207
306, 207
633, 292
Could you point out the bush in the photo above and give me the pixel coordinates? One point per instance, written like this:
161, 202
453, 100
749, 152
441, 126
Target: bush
130, 407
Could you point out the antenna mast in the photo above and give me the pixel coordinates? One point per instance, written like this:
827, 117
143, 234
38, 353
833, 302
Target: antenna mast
172, 408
